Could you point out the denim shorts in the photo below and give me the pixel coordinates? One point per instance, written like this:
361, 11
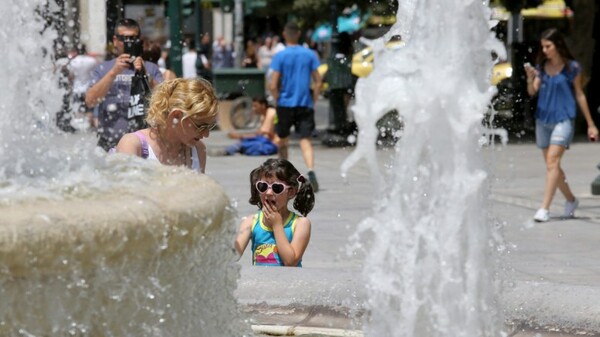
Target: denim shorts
560, 133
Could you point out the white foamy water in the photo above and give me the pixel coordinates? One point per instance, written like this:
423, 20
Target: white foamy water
429, 267
29, 95
97, 245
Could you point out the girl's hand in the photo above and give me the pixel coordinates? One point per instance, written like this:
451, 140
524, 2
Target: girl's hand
271, 214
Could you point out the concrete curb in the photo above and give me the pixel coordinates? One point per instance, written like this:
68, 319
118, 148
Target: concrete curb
283, 330
336, 300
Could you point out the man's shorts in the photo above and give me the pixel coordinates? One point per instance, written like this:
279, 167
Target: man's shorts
560, 133
302, 118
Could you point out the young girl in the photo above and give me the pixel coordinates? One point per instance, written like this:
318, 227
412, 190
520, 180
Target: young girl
557, 81
279, 236
182, 112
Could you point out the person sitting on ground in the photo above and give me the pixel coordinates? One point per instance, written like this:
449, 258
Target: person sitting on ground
279, 236
262, 141
182, 112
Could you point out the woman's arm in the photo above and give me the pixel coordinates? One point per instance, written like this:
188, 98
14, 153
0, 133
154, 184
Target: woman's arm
533, 80
267, 127
130, 144
582, 102
243, 235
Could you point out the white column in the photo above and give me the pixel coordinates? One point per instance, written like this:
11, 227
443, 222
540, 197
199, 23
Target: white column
92, 19
228, 27
217, 29
222, 25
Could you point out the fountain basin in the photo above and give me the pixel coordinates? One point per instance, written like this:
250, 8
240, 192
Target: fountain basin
138, 259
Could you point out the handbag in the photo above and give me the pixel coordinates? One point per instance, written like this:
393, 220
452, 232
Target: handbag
139, 101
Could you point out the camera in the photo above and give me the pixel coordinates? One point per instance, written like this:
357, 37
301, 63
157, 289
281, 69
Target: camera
133, 47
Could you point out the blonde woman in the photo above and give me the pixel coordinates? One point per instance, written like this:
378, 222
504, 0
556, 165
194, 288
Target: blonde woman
182, 112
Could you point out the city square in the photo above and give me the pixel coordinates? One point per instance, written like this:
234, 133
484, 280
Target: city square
423, 221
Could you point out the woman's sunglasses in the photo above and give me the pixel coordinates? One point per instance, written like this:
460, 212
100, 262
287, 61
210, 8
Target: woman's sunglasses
203, 127
277, 188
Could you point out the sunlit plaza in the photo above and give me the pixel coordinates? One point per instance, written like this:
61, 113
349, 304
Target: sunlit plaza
423, 223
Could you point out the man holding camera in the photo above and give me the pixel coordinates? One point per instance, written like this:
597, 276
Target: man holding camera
111, 83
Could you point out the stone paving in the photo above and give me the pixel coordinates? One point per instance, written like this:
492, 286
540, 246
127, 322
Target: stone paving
553, 267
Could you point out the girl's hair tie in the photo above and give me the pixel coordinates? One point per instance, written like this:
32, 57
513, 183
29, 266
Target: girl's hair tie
301, 179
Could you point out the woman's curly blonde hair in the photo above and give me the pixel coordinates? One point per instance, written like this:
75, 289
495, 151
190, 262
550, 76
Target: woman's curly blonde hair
190, 96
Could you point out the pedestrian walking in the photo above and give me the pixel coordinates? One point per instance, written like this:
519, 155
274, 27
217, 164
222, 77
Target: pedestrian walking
279, 236
250, 55
222, 54
293, 68
205, 47
111, 83
265, 54
188, 60
557, 81
182, 112
80, 68
204, 61
341, 87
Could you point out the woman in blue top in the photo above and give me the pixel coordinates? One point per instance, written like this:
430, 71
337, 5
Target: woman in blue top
558, 82
279, 236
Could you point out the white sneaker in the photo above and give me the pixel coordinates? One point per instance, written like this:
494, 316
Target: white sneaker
570, 207
542, 215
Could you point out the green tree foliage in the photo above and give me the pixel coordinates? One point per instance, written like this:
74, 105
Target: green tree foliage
308, 13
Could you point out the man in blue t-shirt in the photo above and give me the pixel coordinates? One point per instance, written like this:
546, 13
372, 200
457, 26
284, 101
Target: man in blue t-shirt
111, 84
293, 68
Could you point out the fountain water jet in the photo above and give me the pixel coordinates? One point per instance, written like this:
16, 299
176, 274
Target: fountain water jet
92, 245
428, 268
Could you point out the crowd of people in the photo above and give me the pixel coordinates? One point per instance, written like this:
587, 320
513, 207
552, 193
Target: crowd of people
197, 61
102, 91
182, 111
179, 112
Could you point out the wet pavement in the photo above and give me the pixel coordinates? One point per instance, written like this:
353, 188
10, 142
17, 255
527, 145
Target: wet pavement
552, 269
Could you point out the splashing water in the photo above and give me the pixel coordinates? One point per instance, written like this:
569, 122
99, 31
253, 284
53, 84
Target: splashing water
30, 94
428, 269
36, 160
93, 244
